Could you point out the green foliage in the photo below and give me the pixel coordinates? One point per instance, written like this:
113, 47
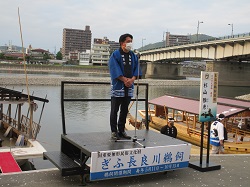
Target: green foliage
1, 56
10, 58
46, 56
59, 55
27, 58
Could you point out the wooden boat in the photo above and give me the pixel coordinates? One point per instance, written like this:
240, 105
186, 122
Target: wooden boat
185, 132
18, 134
185, 112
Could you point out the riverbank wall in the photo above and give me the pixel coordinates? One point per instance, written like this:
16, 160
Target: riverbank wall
187, 71
56, 81
53, 69
13, 78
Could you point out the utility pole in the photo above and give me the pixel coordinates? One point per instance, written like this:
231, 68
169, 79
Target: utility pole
232, 25
198, 26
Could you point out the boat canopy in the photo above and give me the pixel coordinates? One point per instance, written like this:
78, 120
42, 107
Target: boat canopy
21, 101
228, 107
8, 96
235, 102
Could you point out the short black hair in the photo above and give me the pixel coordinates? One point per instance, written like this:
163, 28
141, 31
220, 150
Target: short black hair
221, 116
124, 36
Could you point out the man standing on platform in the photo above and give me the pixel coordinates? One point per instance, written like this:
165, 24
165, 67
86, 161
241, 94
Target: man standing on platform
169, 129
217, 135
124, 70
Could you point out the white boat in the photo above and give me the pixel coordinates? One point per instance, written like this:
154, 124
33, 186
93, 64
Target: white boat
18, 132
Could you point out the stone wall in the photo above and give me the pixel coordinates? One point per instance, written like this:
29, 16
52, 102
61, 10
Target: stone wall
231, 73
50, 68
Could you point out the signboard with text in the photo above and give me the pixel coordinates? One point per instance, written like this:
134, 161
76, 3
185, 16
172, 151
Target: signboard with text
138, 161
208, 96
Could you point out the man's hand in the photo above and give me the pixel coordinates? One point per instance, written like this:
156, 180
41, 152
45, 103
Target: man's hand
128, 82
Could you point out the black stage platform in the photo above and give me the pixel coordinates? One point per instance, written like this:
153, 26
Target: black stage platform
100, 141
78, 148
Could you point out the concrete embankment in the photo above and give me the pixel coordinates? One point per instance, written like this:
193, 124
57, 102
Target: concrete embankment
15, 79
47, 80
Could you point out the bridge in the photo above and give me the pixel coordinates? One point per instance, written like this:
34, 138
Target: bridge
230, 56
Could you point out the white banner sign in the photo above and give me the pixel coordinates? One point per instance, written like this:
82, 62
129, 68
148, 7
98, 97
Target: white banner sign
208, 96
138, 161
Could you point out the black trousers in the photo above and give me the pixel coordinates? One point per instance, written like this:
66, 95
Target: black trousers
116, 104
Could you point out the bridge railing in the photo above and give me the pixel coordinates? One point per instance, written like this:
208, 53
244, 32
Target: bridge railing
206, 40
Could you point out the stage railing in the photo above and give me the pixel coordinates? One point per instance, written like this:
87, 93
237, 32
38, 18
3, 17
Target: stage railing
63, 99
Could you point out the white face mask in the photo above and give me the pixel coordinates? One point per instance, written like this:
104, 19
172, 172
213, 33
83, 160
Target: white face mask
129, 46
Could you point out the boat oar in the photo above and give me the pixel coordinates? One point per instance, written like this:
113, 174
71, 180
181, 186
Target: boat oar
130, 105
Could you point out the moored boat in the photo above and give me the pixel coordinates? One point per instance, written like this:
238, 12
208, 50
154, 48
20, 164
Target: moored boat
18, 132
185, 112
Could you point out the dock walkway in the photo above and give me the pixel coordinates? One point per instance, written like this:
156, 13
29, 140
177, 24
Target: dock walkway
234, 172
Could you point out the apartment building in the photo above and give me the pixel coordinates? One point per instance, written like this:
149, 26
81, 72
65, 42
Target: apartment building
74, 56
76, 40
84, 57
174, 39
100, 54
113, 46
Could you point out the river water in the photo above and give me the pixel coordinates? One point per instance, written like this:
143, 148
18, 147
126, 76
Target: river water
93, 116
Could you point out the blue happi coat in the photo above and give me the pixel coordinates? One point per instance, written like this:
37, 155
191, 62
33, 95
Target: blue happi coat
116, 69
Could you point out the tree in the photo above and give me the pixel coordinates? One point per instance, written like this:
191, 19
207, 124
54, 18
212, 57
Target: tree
1, 56
59, 56
27, 57
46, 56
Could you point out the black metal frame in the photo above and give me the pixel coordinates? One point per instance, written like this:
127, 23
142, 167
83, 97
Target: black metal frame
63, 83
204, 166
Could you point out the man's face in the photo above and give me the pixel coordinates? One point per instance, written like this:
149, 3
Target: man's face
128, 40
170, 124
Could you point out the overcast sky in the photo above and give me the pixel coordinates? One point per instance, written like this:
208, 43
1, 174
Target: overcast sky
43, 20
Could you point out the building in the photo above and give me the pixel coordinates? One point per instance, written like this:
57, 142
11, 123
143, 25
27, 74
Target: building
101, 50
76, 39
100, 54
84, 58
11, 49
38, 56
105, 40
172, 39
113, 46
175, 40
74, 56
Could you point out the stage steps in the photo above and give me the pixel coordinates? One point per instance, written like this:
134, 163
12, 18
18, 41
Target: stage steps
64, 163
